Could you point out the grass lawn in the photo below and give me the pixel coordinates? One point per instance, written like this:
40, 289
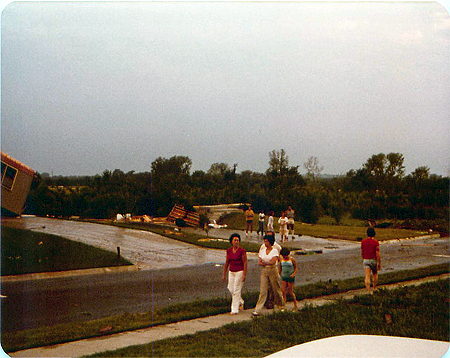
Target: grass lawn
417, 312
25, 251
350, 229
60, 333
353, 232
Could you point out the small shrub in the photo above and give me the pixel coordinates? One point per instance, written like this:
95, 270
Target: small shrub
383, 225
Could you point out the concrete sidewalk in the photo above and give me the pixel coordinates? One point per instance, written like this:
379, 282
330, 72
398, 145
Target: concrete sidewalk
148, 335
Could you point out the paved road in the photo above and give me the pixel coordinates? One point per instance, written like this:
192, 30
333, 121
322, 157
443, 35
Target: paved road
171, 273
145, 336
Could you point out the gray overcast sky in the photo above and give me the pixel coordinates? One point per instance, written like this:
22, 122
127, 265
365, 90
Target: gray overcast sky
93, 86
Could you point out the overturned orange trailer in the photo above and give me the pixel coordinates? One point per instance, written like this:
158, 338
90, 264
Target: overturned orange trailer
16, 183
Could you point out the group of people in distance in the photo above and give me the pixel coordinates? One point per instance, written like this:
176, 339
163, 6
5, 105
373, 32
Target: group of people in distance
286, 221
278, 270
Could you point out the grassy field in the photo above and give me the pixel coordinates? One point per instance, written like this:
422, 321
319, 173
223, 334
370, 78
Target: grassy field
353, 232
24, 251
349, 229
69, 332
417, 312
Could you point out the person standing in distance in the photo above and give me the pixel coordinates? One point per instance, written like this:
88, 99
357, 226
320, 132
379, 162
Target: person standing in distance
249, 219
370, 252
261, 217
270, 223
283, 220
290, 214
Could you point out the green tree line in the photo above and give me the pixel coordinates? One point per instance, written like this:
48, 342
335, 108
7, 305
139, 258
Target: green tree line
379, 190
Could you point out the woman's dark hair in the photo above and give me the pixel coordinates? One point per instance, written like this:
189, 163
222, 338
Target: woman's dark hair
285, 251
370, 232
269, 238
232, 236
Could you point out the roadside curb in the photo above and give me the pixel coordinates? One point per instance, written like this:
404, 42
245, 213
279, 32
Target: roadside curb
95, 345
58, 274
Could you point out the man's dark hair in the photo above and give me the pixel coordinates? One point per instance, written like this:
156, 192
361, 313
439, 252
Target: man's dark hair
269, 238
371, 232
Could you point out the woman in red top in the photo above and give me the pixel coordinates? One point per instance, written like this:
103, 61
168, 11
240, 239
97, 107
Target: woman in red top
236, 262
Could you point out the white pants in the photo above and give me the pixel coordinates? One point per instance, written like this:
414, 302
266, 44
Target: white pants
235, 284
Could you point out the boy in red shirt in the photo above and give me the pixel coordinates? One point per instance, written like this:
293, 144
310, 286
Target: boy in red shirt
370, 252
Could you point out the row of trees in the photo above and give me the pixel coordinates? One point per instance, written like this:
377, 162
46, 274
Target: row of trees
378, 190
